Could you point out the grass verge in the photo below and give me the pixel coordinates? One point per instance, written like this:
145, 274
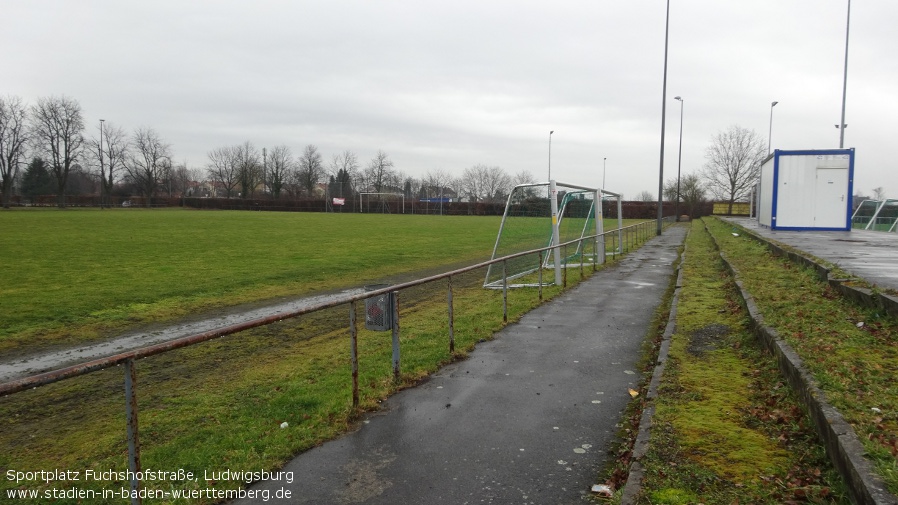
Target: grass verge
850, 350
726, 428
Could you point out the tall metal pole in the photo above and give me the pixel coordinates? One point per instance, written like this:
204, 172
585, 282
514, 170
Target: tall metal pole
679, 159
604, 160
845, 79
663, 117
550, 154
102, 168
770, 131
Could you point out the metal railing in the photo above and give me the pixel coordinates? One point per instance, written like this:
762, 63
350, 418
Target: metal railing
622, 240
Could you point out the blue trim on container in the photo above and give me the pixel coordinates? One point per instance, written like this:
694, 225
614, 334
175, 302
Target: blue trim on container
849, 207
808, 228
810, 152
776, 188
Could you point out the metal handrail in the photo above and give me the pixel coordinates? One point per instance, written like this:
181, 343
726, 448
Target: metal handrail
86, 367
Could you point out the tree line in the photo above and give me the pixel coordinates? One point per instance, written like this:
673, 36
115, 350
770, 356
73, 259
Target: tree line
65, 161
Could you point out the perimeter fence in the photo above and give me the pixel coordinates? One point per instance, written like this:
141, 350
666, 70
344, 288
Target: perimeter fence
617, 242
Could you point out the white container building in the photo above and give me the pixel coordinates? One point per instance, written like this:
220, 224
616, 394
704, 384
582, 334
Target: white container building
807, 190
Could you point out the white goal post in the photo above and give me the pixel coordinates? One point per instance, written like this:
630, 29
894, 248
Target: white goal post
371, 193
532, 220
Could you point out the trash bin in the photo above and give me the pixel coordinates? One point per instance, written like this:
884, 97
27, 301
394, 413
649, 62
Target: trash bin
379, 309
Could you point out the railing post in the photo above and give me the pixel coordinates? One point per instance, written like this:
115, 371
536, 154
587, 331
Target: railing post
540, 275
504, 291
133, 439
451, 319
582, 252
354, 353
396, 373
564, 272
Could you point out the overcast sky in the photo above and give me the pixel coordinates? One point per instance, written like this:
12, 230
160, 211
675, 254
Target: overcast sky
447, 85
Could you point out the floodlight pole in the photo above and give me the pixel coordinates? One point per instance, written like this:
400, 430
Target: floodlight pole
604, 161
770, 131
845, 80
663, 116
102, 168
550, 154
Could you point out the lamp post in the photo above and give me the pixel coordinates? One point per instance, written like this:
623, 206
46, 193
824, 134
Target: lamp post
102, 169
550, 154
663, 116
770, 131
604, 160
844, 81
679, 159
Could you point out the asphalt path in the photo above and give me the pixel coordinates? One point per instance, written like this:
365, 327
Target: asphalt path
527, 418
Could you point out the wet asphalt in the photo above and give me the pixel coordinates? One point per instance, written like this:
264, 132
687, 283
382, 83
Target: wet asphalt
527, 418
867, 254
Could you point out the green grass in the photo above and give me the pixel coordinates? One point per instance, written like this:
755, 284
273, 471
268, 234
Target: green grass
851, 351
77, 275
726, 428
81, 275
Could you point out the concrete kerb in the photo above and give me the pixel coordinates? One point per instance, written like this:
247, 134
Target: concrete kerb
861, 295
842, 444
641, 445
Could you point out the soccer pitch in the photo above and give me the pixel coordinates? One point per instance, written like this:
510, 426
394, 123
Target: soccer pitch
81, 274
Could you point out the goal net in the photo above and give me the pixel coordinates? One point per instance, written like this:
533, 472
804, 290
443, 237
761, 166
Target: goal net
384, 203
533, 220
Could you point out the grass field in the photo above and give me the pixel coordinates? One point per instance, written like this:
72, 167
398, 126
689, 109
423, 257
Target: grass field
220, 404
82, 274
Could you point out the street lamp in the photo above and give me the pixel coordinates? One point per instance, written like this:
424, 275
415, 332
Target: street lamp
770, 131
679, 159
550, 154
844, 80
603, 172
663, 116
102, 170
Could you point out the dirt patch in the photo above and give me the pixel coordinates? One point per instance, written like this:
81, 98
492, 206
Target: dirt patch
707, 339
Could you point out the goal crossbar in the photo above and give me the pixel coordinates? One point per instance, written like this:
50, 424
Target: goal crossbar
591, 215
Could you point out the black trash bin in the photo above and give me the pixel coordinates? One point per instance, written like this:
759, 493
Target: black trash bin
379, 309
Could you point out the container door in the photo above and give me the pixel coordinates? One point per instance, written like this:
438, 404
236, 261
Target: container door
830, 206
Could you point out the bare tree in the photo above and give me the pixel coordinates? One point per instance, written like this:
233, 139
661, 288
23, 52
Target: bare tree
115, 145
13, 136
497, 184
279, 165
523, 177
311, 169
344, 169
472, 182
692, 192
223, 169
379, 171
57, 133
149, 162
249, 168
487, 184
879, 193
435, 183
183, 179
648, 196
734, 162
